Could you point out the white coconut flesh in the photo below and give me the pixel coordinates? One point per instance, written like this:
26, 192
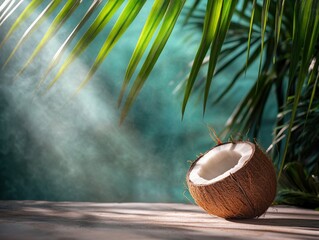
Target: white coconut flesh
220, 162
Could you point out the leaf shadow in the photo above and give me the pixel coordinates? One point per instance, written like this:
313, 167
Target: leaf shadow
310, 224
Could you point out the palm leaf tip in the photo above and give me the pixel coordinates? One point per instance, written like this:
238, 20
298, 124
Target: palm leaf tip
213, 10
125, 19
223, 24
155, 17
103, 18
57, 23
169, 20
216, 24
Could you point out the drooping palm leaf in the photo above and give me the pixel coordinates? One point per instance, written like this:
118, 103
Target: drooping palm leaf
297, 198
233, 57
264, 19
217, 42
6, 8
154, 18
6, 13
165, 31
211, 23
248, 114
278, 20
69, 39
128, 14
302, 147
4, 5
48, 10
315, 84
251, 25
251, 60
62, 16
27, 12
190, 12
299, 187
304, 42
103, 18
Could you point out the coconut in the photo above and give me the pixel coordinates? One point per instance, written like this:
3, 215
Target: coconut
233, 180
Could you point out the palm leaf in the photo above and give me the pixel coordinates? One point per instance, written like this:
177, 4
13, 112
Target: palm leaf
69, 39
212, 16
296, 175
154, 18
248, 113
217, 42
26, 13
48, 10
7, 6
231, 60
103, 18
63, 15
297, 198
6, 14
279, 13
313, 91
264, 19
304, 40
4, 5
251, 60
251, 25
298, 187
123, 22
166, 29
234, 44
191, 11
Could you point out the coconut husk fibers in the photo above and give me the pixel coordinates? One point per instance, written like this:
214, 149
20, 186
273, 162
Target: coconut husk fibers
246, 193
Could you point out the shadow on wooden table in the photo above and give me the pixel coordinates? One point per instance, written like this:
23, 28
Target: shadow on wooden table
36, 220
284, 222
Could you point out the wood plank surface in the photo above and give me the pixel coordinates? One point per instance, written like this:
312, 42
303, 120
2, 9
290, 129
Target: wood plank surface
123, 221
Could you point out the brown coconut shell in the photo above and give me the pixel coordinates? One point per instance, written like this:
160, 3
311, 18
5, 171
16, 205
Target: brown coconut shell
246, 193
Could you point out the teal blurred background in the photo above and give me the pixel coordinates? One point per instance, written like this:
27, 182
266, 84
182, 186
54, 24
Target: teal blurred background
62, 149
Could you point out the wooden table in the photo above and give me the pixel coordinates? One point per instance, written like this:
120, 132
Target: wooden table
125, 221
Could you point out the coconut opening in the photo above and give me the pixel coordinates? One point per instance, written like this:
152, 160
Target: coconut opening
220, 162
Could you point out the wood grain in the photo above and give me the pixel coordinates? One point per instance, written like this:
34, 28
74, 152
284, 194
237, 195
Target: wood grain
82, 220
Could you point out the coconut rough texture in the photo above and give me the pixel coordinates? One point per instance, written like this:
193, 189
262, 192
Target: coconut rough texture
246, 193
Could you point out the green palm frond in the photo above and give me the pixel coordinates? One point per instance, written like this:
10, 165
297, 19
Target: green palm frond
216, 23
166, 29
303, 132
68, 41
223, 25
123, 22
48, 10
26, 13
305, 39
154, 18
299, 187
7, 8
66, 11
251, 25
100, 22
278, 23
210, 29
264, 18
